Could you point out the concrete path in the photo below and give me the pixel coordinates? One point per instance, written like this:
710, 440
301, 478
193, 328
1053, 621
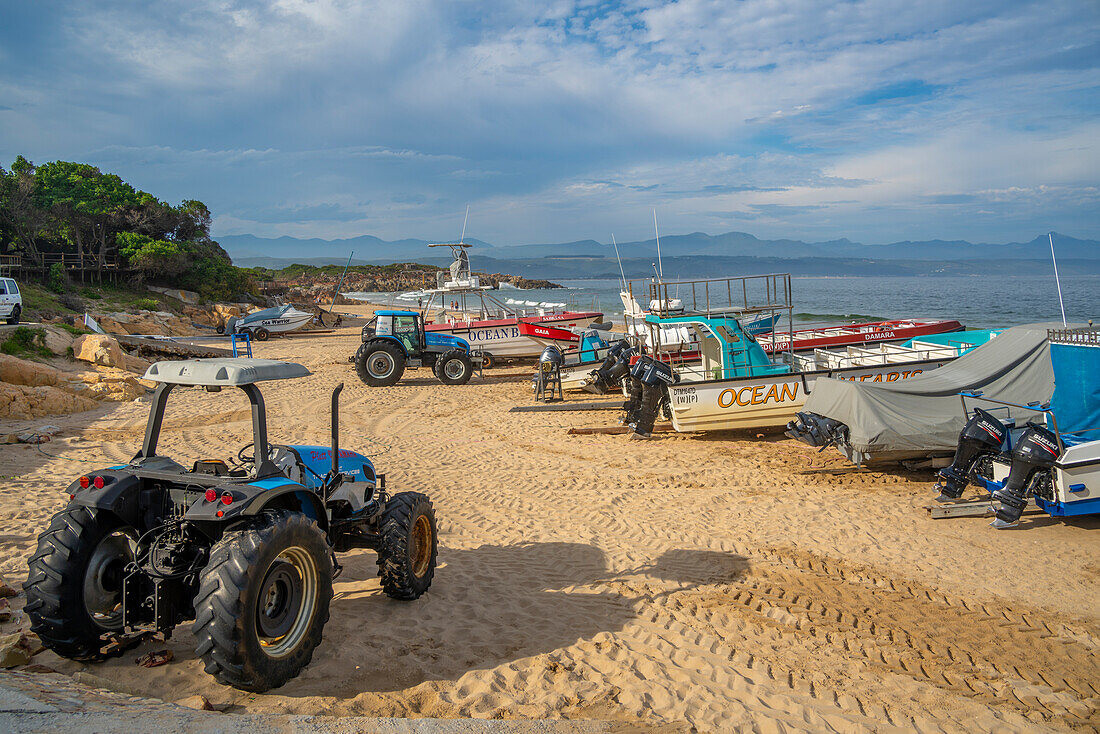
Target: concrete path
53, 703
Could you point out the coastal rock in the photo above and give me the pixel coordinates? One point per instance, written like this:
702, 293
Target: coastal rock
20, 402
188, 297
113, 385
18, 648
17, 371
58, 340
98, 349
200, 702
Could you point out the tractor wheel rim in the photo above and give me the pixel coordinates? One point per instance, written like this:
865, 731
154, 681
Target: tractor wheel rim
103, 580
454, 369
287, 602
380, 365
420, 546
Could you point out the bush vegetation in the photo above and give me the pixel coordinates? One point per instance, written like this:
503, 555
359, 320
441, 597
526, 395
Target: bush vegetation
70, 208
26, 342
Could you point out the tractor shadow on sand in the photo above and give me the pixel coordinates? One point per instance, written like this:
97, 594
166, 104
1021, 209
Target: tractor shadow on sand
488, 606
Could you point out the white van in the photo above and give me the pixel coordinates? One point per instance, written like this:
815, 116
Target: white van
11, 303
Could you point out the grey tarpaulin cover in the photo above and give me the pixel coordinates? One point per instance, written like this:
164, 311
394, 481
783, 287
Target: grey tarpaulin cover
922, 416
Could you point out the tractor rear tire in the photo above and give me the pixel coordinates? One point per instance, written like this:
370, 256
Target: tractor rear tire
263, 601
454, 367
409, 547
13, 319
74, 584
379, 363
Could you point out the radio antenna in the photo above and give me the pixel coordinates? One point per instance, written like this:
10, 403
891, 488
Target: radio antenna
658, 235
1057, 282
622, 282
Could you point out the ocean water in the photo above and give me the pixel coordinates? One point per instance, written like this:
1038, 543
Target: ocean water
978, 302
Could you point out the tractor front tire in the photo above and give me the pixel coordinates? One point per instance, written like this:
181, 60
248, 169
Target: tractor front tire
454, 368
263, 601
409, 547
13, 319
74, 584
380, 363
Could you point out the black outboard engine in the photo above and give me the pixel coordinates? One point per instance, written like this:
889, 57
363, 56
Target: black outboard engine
979, 441
654, 377
816, 430
616, 366
1033, 458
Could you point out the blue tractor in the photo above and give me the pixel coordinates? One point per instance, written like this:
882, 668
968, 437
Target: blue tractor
246, 549
395, 340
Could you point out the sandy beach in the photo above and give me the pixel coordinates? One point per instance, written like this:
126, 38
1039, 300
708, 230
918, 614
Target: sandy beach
720, 582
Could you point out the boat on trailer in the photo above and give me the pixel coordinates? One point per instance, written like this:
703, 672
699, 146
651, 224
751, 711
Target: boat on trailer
460, 306
737, 383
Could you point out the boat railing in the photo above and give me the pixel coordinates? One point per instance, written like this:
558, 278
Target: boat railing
746, 294
1086, 337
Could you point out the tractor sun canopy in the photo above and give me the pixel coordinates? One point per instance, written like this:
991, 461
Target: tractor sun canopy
223, 372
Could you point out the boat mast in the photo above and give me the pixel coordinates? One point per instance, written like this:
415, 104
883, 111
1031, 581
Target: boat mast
1057, 282
622, 281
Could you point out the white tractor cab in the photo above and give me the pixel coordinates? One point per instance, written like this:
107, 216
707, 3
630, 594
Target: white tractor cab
11, 302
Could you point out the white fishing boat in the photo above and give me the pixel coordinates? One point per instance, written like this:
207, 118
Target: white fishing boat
737, 384
462, 307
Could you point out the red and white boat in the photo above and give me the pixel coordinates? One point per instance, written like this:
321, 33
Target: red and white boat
505, 337
854, 334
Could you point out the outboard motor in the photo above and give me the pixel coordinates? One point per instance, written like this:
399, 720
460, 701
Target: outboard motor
616, 366
654, 377
1033, 458
548, 380
816, 430
980, 439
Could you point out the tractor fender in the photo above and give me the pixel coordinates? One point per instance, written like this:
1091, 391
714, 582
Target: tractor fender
119, 495
440, 343
253, 498
390, 339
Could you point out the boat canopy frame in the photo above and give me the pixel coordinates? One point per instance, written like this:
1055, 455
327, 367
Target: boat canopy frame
716, 298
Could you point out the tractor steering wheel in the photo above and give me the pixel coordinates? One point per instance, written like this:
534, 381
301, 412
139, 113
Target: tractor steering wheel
242, 458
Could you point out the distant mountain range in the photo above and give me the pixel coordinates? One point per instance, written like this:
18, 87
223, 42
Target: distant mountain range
593, 259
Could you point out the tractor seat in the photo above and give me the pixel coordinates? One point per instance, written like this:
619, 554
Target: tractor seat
216, 467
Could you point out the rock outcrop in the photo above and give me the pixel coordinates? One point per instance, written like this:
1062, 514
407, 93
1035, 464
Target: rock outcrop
19, 402
99, 349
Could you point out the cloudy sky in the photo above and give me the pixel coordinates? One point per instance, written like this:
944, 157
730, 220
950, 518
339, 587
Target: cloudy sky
561, 120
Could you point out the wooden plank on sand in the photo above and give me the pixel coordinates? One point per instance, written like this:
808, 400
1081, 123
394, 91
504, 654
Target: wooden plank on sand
971, 508
555, 407
612, 430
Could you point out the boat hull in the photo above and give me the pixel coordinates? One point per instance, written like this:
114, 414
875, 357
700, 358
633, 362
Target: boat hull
279, 324
502, 337
854, 335
767, 401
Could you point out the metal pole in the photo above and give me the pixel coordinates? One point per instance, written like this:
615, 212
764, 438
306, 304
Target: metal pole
1050, 236
340, 282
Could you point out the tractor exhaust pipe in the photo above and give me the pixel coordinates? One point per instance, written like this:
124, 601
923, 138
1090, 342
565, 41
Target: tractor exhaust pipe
336, 429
